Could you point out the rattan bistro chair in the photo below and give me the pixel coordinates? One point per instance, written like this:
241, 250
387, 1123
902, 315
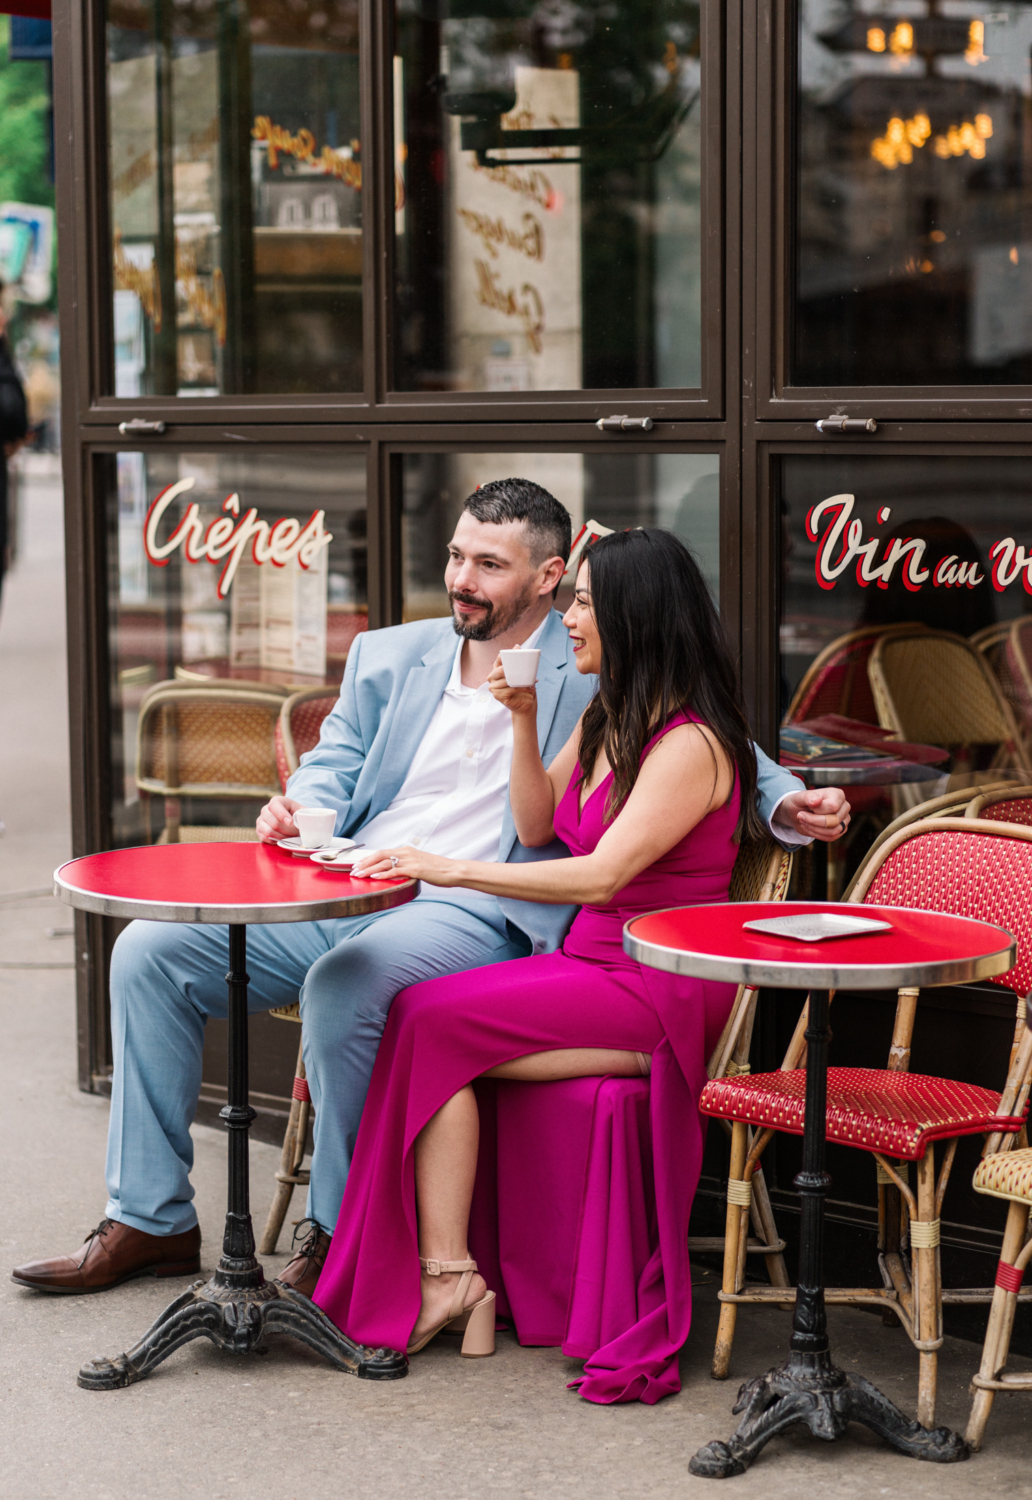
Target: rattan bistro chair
1002, 804
297, 731
762, 872
993, 643
836, 681
955, 804
973, 868
1006, 1175
299, 726
933, 687
208, 744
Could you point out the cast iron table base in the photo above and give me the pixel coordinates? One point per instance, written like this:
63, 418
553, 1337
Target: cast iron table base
808, 1388
238, 1309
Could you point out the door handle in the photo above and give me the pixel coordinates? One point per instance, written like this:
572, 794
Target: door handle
624, 424
846, 424
141, 427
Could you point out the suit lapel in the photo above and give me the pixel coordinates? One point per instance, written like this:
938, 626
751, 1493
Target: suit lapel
415, 707
554, 646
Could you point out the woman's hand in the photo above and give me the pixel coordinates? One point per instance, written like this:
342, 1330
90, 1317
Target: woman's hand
415, 864
521, 702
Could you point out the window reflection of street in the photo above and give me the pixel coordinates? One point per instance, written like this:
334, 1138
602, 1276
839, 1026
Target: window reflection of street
914, 261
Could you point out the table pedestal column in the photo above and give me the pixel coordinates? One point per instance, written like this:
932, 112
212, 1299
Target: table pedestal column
808, 1387
237, 1309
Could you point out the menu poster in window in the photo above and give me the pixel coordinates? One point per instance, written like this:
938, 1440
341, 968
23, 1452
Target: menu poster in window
293, 617
515, 249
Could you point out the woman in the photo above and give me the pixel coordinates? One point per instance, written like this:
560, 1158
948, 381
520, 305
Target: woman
650, 794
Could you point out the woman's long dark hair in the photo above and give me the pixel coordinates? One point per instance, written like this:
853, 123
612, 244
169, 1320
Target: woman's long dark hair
663, 651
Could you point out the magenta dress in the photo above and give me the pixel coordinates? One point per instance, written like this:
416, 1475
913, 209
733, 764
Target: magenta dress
444, 1033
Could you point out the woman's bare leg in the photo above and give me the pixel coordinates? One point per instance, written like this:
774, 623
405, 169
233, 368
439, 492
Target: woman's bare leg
446, 1165
570, 1062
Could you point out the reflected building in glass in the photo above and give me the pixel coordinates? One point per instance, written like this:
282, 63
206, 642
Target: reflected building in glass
914, 248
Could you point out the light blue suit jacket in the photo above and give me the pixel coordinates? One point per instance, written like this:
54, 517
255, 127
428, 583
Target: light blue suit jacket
392, 684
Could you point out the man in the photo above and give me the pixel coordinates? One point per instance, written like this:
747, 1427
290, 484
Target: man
416, 751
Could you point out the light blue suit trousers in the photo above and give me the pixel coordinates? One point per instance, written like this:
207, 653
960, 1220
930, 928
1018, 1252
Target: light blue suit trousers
166, 980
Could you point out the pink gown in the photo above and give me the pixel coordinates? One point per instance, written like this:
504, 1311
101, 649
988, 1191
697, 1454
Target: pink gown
630, 1319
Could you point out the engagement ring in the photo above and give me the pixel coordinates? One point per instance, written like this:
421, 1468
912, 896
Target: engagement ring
394, 861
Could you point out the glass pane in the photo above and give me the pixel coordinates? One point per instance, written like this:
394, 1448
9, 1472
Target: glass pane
907, 605
547, 194
680, 491
226, 573
235, 171
914, 263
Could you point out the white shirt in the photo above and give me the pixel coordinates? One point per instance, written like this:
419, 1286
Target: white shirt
452, 802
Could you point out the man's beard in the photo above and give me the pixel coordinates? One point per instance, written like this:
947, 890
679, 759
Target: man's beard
496, 621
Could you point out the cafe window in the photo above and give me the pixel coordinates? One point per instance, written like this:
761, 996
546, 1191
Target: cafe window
678, 491
914, 257
906, 608
235, 171
547, 195
229, 574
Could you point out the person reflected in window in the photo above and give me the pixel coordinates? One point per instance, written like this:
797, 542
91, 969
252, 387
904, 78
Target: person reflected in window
14, 427
962, 610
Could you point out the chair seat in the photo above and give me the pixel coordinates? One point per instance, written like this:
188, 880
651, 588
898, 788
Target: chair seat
1005, 1174
895, 1113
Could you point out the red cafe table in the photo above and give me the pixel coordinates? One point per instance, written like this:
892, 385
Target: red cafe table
922, 949
231, 884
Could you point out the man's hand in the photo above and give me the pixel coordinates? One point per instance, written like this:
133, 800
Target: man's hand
821, 814
276, 820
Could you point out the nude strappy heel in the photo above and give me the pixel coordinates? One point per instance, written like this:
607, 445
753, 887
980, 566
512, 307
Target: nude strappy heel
476, 1323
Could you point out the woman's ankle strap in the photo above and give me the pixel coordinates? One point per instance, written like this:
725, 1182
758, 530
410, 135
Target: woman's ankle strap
442, 1267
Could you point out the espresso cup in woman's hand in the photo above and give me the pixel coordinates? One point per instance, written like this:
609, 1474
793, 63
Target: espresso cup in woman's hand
518, 700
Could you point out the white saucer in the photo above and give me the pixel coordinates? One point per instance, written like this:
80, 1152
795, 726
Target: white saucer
305, 851
342, 859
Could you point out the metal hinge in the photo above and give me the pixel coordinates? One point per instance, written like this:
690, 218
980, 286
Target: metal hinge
624, 424
846, 424
140, 427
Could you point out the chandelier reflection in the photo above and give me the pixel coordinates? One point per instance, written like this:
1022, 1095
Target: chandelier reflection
903, 137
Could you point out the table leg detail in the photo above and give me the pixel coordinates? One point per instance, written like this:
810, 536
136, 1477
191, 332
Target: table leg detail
237, 1309
808, 1388
240, 1323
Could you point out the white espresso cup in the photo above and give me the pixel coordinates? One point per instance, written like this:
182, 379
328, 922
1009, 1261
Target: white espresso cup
520, 666
315, 825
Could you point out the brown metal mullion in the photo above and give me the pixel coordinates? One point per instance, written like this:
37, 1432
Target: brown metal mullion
731, 569
383, 536
715, 136
377, 203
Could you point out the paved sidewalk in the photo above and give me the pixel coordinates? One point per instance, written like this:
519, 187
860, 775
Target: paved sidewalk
285, 1427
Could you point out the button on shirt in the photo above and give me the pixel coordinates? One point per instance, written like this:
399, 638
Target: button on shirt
452, 802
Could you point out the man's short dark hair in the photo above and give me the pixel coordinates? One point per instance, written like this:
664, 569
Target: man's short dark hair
548, 522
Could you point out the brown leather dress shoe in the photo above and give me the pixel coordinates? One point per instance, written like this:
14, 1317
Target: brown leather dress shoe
304, 1270
114, 1253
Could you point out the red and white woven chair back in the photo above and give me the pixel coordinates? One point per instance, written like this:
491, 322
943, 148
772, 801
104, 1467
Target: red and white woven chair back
966, 867
300, 724
1006, 810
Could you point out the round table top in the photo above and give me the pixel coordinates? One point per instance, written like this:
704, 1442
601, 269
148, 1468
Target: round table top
922, 949
865, 773
231, 882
